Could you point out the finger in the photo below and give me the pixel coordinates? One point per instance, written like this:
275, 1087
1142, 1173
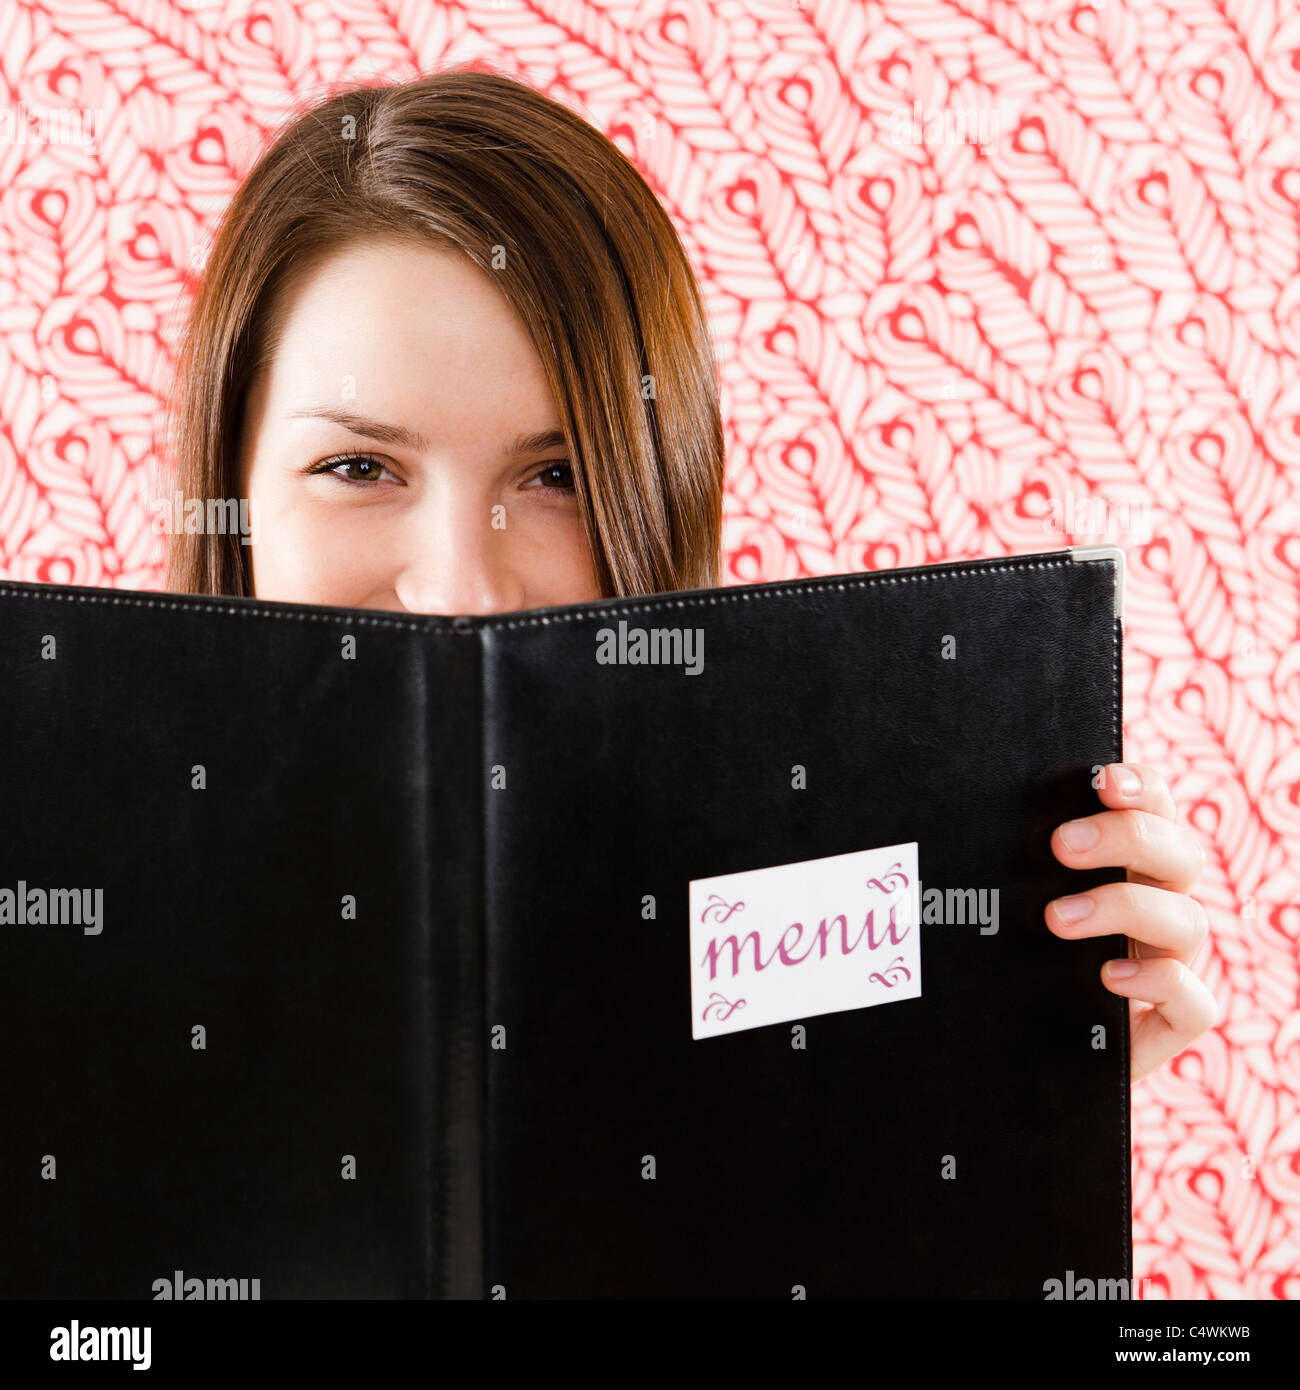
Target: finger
1183, 1009
1137, 786
1162, 852
1158, 920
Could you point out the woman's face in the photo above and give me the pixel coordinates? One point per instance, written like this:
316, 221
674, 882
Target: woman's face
391, 455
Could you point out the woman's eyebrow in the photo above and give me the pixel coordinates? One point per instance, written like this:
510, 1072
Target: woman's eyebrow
405, 438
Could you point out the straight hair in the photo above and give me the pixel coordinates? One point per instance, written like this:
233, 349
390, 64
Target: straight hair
474, 160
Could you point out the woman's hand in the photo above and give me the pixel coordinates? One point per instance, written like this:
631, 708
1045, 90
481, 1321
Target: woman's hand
1168, 928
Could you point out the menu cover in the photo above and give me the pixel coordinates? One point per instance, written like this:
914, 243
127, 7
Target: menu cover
689, 946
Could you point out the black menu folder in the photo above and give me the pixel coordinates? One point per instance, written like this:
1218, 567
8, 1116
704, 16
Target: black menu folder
349, 954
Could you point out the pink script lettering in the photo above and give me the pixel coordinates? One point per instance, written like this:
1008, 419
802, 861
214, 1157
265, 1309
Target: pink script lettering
874, 936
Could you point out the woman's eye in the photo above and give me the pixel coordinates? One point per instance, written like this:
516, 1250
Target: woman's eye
352, 468
556, 477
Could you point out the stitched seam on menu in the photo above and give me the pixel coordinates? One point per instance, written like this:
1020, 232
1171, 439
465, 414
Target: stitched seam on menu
480, 983
810, 586
434, 1226
1125, 1094
657, 603
52, 593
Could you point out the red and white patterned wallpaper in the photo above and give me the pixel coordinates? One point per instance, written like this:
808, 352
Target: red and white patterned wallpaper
986, 278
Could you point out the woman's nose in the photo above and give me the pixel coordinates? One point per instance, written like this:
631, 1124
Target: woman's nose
454, 561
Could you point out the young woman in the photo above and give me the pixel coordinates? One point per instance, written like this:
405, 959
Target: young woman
449, 347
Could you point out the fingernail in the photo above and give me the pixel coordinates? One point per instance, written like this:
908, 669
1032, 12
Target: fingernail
1073, 909
1121, 969
1128, 781
1080, 834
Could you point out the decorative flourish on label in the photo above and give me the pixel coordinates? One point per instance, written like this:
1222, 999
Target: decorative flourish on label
885, 885
718, 1000
896, 965
716, 906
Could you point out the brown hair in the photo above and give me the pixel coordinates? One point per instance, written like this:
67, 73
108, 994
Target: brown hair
477, 160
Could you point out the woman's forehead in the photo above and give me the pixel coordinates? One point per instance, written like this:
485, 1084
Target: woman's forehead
407, 335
